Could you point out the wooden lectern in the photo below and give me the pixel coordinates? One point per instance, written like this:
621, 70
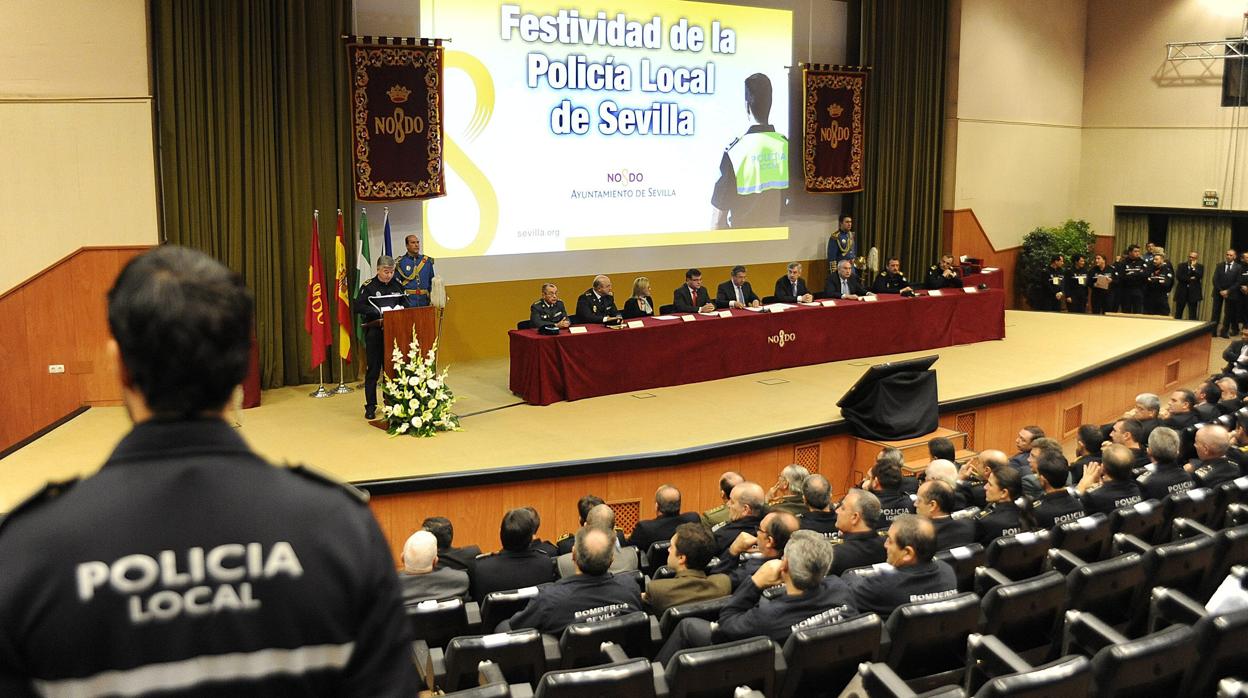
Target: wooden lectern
397, 326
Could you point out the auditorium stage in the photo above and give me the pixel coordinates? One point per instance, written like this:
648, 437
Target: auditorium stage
505, 440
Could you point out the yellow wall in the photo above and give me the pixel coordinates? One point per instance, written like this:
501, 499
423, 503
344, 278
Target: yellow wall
76, 150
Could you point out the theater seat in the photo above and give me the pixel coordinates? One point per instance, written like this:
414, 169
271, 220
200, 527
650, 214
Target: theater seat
656, 554
879, 680
1110, 589
993, 669
434, 623
1027, 615
1020, 556
964, 559
522, 655
706, 610
1222, 648
667, 309
927, 639
498, 606
491, 684
820, 661
1086, 537
1141, 520
1228, 493
720, 669
1153, 665
630, 678
1197, 504
635, 633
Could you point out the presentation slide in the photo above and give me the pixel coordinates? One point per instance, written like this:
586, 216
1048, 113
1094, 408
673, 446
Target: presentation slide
593, 127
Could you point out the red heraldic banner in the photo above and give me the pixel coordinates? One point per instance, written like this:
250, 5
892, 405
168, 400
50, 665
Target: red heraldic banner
833, 139
396, 119
315, 313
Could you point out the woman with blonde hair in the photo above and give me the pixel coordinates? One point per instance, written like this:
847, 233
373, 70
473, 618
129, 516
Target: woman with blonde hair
640, 304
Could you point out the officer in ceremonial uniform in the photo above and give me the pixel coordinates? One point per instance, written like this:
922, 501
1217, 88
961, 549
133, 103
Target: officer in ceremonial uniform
597, 305
943, 275
842, 244
1078, 281
1157, 286
1131, 273
415, 272
754, 169
187, 549
548, 310
891, 280
384, 284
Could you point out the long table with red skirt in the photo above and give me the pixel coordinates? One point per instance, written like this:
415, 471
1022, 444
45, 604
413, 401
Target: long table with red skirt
602, 361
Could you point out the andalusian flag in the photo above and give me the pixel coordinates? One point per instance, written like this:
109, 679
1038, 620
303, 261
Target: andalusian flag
386, 234
315, 320
363, 267
344, 298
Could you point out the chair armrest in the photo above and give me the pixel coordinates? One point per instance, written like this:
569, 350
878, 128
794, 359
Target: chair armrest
1086, 634
489, 673
886, 640
550, 647
1064, 561
520, 690
987, 658
879, 678
614, 653
1171, 607
1127, 543
659, 674
435, 668
782, 667
420, 657
1186, 528
472, 609
987, 578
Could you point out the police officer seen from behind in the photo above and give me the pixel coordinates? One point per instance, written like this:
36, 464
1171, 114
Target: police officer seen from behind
1157, 286
754, 170
1109, 484
548, 311
936, 504
1131, 275
593, 594
859, 544
818, 494
1078, 281
1188, 279
517, 565
597, 305
367, 306
891, 280
913, 575
1225, 297
1165, 475
187, 549
1057, 505
1002, 517
943, 275
886, 482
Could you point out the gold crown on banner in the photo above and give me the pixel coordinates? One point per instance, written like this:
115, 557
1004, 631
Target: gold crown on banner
835, 110
398, 94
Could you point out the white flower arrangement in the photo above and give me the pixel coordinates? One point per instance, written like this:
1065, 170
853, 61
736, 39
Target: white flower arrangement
417, 400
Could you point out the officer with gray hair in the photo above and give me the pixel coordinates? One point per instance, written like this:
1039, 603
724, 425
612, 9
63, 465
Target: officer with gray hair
786, 494
818, 493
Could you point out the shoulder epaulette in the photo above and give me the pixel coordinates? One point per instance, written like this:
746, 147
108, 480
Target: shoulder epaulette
932, 268
49, 491
564, 537
319, 477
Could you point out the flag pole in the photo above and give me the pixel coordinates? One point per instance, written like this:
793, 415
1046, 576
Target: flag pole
342, 388
320, 391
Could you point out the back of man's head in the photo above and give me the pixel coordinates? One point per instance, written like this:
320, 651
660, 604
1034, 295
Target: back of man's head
939, 493
182, 323
817, 491
910, 531
888, 474
780, 527
729, 480
751, 495
941, 448
593, 551
441, 528
601, 517
809, 557
695, 542
758, 97
584, 504
667, 500
517, 529
1118, 462
794, 475
993, 459
1163, 445
419, 552
866, 504
1212, 441
1053, 469
1091, 437
942, 470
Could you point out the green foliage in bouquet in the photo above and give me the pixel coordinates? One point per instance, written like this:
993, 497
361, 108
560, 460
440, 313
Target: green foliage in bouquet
417, 401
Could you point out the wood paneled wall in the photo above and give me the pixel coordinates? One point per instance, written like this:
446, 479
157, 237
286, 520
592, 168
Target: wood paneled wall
476, 511
58, 317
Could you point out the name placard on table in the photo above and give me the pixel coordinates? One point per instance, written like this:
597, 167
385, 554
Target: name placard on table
577, 329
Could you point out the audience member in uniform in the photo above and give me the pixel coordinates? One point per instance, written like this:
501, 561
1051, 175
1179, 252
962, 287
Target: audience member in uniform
745, 511
1003, 517
1057, 505
1087, 449
1207, 408
420, 579
749, 551
1213, 467
945, 471
1131, 434
1181, 409
912, 574
668, 517
517, 565
456, 558
1039, 448
593, 594
820, 517
718, 515
623, 559
542, 546
1165, 475
691, 551
860, 545
1109, 484
1022, 442
786, 494
811, 598
886, 483
936, 503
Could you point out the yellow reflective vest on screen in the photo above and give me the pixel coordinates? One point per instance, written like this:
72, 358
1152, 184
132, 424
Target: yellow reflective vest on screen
761, 162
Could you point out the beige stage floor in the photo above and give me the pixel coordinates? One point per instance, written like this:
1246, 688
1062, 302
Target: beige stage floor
501, 432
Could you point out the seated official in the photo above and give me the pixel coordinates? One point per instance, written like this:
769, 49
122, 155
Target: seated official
1230, 401
859, 545
421, 579
691, 297
1043, 447
736, 292
935, 503
1021, 460
942, 470
819, 516
517, 565
455, 558
1087, 449
718, 515
548, 310
597, 305
1132, 434
746, 506
384, 284
1057, 505
811, 598
891, 280
1213, 467
1109, 484
1165, 475
640, 304
1181, 410
886, 483
913, 575
624, 559
1002, 517
791, 288
844, 284
748, 552
667, 507
691, 551
593, 594
786, 494
943, 275
1207, 408
564, 544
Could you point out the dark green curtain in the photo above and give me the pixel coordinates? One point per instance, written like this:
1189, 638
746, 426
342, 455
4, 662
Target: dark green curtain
898, 211
253, 136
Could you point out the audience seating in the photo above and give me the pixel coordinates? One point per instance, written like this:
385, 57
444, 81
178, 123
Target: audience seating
498, 606
1151, 665
995, 669
627, 678
1087, 538
656, 555
1232, 688
820, 661
522, 656
964, 560
1019, 556
927, 639
667, 309
1111, 588
1228, 493
490, 684
1027, 615
434, 623
1236, 514
719, 669
636, 633
706, 610
1141, 520
1197, 504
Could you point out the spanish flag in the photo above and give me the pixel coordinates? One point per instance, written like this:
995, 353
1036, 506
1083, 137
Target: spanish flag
315, 320
344, 297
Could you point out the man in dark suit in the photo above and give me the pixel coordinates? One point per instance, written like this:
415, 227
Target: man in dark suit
1224, 276
667, 506
736, 292
515, 566
455, 558
597, 305
691, 297
1187, 281
791, 288
421, 579
1233, 353
845, 283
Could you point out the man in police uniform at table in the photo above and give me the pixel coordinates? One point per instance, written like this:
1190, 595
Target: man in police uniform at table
548, 311
891, 280
943, 275
384, 284
188, 563
415, 272
597, 305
